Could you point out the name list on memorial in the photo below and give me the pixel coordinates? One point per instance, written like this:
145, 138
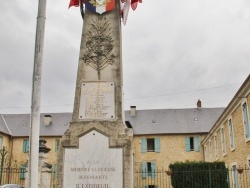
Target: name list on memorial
97, 101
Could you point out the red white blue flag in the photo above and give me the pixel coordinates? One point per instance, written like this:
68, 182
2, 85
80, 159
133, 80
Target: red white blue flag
75, 3
125, 5
134, 3
100, 6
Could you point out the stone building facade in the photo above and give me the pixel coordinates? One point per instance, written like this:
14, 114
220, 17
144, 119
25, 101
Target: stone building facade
160, 136
229, 138
14, 135
164, 136
170, 148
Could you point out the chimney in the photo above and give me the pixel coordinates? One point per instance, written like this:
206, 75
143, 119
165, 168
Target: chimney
47, 119
132, 110
199, 104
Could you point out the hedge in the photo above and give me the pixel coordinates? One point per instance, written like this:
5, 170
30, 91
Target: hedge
199, 175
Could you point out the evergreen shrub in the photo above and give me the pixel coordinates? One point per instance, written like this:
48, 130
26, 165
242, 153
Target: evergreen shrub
199, 175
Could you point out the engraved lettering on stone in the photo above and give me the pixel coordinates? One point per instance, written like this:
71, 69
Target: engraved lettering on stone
97, 101
99, 46
97, 166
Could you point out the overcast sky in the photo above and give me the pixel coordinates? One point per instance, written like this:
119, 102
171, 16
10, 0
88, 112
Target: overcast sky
174, 53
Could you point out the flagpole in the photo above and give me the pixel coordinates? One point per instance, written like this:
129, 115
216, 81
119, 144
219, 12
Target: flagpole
36, 97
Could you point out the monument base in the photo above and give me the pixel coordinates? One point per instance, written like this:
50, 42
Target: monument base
96, 154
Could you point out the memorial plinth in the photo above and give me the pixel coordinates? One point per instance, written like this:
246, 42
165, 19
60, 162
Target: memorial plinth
97, 165
96, 150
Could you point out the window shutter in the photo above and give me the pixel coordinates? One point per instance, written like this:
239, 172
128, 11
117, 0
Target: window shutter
157, 145
55, 171
1, 142
22, 171
153, 168
143, 145
187, 140
231, 133
144, 169
196, 143
56, 144
25, 146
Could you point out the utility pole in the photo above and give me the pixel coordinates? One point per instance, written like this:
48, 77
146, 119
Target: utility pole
36, 96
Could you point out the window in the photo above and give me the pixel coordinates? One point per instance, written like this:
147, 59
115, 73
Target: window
246, 120
57, 141
210, 150
148, 169
223, 144
150, 145
235, 176
205, 152
231, 134
216, 146
191, 140
192, 143
25, 146
1, 142
22, 171
150, 186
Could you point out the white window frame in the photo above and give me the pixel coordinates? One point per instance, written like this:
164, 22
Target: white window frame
210, 150
205, 151
231, 134
216, 147
234, 164
243, 102
223, 141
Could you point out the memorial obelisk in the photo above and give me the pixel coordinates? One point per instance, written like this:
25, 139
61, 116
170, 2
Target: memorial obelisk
96, 150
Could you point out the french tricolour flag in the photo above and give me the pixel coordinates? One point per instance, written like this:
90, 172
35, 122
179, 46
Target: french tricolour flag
100, 6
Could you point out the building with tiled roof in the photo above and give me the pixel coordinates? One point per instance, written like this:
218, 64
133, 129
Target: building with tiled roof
146, 123
161, 136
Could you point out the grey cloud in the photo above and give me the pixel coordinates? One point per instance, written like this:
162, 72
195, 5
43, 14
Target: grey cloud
168, 47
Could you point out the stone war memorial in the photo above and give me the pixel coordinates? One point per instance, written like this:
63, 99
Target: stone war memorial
96, 150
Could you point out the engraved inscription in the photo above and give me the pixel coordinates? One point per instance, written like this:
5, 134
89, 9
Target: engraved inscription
93, 164
92, 186
97, 101
96, 172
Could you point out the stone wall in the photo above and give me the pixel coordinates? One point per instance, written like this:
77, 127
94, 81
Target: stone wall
17, 150
21, 157
5, 141
239, 154
172, 149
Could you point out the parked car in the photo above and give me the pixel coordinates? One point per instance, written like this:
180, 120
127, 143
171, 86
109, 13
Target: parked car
11, 186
